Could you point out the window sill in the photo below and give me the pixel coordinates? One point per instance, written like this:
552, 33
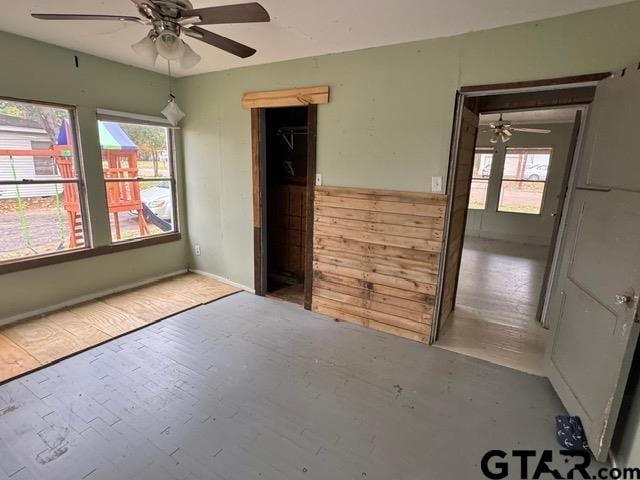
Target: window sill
45, 260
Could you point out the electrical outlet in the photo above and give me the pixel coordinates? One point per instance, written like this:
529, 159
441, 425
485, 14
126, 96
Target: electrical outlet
196, 247
318, 179
436, 184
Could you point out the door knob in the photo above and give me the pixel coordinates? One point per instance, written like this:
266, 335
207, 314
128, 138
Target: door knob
623, 299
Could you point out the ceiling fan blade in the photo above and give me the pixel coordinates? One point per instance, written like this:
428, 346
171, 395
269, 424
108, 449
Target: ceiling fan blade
532, 130
240, 13
223, 43
66, 16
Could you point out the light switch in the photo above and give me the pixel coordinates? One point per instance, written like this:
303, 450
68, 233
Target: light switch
436, 184
318, 179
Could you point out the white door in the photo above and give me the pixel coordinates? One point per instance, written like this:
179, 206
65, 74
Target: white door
594, 303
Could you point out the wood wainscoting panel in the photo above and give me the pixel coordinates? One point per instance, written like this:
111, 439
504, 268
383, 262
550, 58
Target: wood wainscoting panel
376, 256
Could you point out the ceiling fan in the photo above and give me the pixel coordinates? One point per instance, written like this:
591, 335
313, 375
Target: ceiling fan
170, 19
503, 130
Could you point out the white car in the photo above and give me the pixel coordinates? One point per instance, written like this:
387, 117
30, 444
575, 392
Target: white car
536, 172
158, 199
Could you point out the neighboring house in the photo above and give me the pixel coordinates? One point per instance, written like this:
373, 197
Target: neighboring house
23, 134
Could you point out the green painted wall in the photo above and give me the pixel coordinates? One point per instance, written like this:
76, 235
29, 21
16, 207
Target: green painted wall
38, 71
518, 227
388, 124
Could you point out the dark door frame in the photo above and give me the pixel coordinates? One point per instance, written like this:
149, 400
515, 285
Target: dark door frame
556, 92
259, 176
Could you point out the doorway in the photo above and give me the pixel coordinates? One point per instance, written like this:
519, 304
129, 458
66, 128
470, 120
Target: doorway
286, 165
507, 191
285, 141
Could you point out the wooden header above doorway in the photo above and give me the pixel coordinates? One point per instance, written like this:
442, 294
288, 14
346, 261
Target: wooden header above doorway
287, 98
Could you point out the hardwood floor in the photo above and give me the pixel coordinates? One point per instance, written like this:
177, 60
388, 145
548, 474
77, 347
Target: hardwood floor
498, 294
29, 344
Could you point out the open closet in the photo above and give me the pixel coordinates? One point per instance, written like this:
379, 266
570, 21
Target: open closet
286, 143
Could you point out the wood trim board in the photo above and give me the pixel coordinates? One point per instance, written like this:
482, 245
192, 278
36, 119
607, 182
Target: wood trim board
312, 124
78, 254
376, 257
575, 79
294, 97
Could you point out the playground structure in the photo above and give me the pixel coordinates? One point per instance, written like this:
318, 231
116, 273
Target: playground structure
120, 167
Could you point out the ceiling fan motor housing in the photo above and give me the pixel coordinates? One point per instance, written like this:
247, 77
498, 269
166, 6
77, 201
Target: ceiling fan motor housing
166, 8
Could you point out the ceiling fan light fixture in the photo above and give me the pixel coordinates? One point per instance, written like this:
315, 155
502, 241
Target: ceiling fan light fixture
169, 45
190, 58
146, 49
494, 138
172, 111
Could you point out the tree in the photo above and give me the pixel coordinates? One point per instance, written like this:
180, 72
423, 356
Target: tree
48, 118
151, 141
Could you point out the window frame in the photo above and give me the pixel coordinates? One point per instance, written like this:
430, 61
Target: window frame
545, 182
90, 249
17, 264
482, 150
151, 121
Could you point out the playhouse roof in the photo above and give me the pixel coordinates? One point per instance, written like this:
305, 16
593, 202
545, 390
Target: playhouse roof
112, 137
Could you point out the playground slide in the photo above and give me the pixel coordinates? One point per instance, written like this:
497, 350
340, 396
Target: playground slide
149, 216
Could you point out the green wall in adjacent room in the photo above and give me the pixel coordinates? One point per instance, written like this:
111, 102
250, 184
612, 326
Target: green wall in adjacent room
388, 124
38, 71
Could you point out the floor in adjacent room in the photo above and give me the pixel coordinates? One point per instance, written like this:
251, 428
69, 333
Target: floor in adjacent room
254, 388
495, 315
291, 293
32, 343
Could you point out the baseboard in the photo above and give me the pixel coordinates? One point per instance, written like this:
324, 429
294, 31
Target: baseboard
88, 297
223, 280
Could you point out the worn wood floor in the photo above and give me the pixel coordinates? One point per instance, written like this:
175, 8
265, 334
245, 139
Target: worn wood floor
29, 344
293, 293
495, 314
252, 388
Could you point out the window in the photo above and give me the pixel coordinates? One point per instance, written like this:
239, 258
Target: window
41, 199
524, 179
44, 166
482, 161
137, 163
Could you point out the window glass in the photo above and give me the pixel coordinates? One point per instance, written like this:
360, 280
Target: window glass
524, 180
41, 201
137, 163
482, 162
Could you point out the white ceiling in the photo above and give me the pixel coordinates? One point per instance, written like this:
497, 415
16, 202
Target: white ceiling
299, 28
555, 115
